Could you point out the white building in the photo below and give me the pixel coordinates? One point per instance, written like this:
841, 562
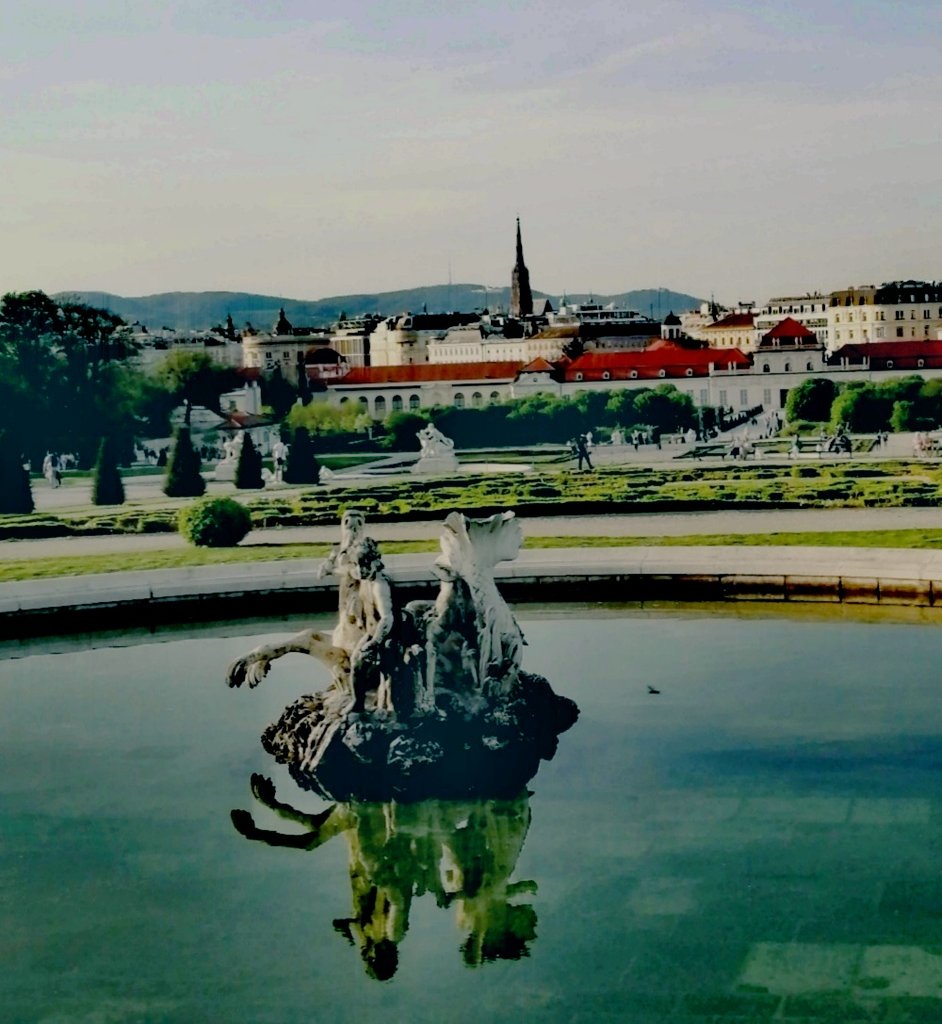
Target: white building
810, 310
896, 311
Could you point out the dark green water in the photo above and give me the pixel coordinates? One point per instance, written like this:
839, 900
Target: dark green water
761, 840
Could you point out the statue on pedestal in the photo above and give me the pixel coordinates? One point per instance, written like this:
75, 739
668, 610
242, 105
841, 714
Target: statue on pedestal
437, 453
428, 699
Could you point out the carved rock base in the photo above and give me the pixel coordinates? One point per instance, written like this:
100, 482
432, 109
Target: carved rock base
461, 749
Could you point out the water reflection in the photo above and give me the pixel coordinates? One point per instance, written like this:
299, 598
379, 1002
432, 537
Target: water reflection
463, 853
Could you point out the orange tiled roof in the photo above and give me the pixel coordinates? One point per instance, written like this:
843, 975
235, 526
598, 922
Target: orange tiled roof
647, 364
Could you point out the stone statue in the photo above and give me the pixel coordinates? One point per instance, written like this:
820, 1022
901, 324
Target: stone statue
437, 453
418, 693
461, 852
232, 446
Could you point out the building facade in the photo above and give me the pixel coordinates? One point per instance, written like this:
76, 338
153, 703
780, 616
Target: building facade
896, 311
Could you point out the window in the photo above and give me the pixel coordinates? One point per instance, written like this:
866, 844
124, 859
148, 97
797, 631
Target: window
766, 368
397, 403
809, 365
414, 401
606, 375
363, 400
767, 396
477, 400
662, 372
900, 314
633, 374
285, 355
379, 407
495, 396
850, 335
459, 400
788, 367
579, 375
743, 399
344, 400
723, 399
837, 318
926, 314
899, 332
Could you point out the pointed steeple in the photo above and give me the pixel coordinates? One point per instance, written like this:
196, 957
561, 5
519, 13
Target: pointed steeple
521, 298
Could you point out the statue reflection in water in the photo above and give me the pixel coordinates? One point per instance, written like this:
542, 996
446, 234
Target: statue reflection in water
461, 852
425, 739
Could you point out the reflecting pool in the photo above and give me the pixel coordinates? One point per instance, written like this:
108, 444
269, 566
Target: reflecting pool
762, 838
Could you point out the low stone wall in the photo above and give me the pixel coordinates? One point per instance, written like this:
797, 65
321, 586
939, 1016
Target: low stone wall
890, 577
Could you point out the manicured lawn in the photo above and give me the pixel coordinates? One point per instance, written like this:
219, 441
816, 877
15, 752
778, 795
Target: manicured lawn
175, 558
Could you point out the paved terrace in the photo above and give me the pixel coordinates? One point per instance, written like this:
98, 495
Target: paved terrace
794, 574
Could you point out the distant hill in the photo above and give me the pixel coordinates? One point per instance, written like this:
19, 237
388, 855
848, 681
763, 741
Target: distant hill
201, 310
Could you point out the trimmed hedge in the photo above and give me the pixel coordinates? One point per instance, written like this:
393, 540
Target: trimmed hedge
214, 523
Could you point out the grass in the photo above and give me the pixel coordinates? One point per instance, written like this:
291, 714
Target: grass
13, 570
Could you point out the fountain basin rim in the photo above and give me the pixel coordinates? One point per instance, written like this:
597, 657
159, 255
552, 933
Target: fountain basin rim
888, 576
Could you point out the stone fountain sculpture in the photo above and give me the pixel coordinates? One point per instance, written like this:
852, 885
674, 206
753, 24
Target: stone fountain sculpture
425, 700
437, 453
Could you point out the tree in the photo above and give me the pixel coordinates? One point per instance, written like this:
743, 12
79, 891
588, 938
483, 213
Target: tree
16, 496
107, 487
862, 407
64, 364
811, 400
278, 393
302, 466
401, 431
195, 378
665, 408
183, 479
248, 474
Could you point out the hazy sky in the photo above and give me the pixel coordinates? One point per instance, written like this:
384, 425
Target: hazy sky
310, 147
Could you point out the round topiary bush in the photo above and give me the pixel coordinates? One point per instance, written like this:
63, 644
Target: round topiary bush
214, 523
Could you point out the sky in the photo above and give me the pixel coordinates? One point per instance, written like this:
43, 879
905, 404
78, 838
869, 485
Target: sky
718, 147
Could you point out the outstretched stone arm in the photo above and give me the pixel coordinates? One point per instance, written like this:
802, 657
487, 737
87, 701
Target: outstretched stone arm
252, 668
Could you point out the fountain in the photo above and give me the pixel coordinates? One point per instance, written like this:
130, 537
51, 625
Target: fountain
425, 700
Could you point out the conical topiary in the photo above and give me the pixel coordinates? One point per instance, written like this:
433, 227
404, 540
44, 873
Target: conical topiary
16, 495
302, 466
183, 478
107, 487
248, 474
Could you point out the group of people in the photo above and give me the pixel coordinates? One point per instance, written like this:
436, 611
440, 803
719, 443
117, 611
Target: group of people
53, 466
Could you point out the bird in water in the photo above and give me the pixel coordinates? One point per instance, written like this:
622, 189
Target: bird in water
651, 689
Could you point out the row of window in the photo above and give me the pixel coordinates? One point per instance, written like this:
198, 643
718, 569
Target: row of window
899, 314
415, 402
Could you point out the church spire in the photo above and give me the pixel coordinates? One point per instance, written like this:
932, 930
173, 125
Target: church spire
521, 298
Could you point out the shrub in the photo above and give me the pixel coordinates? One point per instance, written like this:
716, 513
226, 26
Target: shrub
107, 488
183, 478
16, 496
302, 467
214, 523
248, 474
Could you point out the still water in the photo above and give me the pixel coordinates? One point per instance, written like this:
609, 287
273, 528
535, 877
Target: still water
762, 838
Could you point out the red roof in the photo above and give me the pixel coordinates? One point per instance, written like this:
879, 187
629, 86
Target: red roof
647, 364
789, 328
903, 354
421, 373
732, 320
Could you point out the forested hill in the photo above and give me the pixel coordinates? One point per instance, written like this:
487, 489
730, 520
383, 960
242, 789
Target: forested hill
200, 310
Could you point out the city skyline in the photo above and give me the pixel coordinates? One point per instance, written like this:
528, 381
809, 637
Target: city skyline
724, 148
